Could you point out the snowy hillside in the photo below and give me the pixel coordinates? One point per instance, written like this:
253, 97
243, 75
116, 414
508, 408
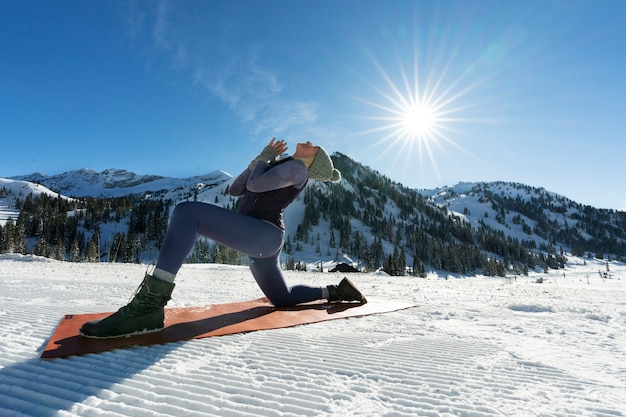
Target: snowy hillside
10, 190
528, 213
479, 347
468, 202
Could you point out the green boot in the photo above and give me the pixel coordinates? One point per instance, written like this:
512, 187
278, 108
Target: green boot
345, 291
143, 314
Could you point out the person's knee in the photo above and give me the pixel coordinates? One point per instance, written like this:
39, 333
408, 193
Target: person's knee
184, 211
178, 211
279, 295
183, 207
280, 300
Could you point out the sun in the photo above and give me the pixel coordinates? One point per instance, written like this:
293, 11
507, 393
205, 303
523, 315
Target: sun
411, 116
418, 121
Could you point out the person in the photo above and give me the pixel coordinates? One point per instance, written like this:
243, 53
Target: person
267, 186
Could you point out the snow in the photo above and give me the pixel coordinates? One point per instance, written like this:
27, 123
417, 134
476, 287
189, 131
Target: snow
118, 182
12, 189
475, 346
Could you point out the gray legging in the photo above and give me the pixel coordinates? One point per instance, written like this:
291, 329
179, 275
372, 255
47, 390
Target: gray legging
260, 241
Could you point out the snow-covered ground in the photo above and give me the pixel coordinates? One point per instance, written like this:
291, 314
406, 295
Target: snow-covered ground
475, 347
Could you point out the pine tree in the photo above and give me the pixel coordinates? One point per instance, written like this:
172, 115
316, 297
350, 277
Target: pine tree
93, 249
288, 248
133, 248
41, 247
7, 245
388, 266
217, 256
59, 251
75, 252
400, 262
117, 247
19, 237
367, 258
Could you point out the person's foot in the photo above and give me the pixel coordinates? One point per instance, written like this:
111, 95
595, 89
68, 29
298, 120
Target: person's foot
143, 314
345, 291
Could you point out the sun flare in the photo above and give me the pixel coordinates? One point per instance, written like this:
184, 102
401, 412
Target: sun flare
416, 116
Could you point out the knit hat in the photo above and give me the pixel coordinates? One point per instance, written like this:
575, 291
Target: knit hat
322, 167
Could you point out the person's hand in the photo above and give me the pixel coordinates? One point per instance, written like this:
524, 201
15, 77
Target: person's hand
280, 146
269, 153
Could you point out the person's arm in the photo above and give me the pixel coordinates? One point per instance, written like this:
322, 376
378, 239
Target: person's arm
291, 173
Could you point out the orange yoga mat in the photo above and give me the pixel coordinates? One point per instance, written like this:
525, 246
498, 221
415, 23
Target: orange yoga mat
212, 320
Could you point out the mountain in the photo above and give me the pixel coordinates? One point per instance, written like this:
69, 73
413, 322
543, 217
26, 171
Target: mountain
366, 219
118, 182
529, 213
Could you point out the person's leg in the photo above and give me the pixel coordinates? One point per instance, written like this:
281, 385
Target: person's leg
269, 277
242, 233
145, 312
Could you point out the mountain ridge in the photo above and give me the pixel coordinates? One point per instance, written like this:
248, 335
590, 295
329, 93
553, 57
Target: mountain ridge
114, 182
370, 220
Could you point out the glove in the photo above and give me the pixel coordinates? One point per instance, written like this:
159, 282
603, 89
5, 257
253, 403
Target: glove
267, 155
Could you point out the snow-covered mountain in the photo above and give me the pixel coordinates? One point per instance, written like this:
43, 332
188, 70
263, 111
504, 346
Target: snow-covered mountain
118, 182
528, 213
372, 221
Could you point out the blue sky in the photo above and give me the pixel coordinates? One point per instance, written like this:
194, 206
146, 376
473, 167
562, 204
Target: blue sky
524, 91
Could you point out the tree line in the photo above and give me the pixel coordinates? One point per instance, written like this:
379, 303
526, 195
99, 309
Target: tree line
71, 229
